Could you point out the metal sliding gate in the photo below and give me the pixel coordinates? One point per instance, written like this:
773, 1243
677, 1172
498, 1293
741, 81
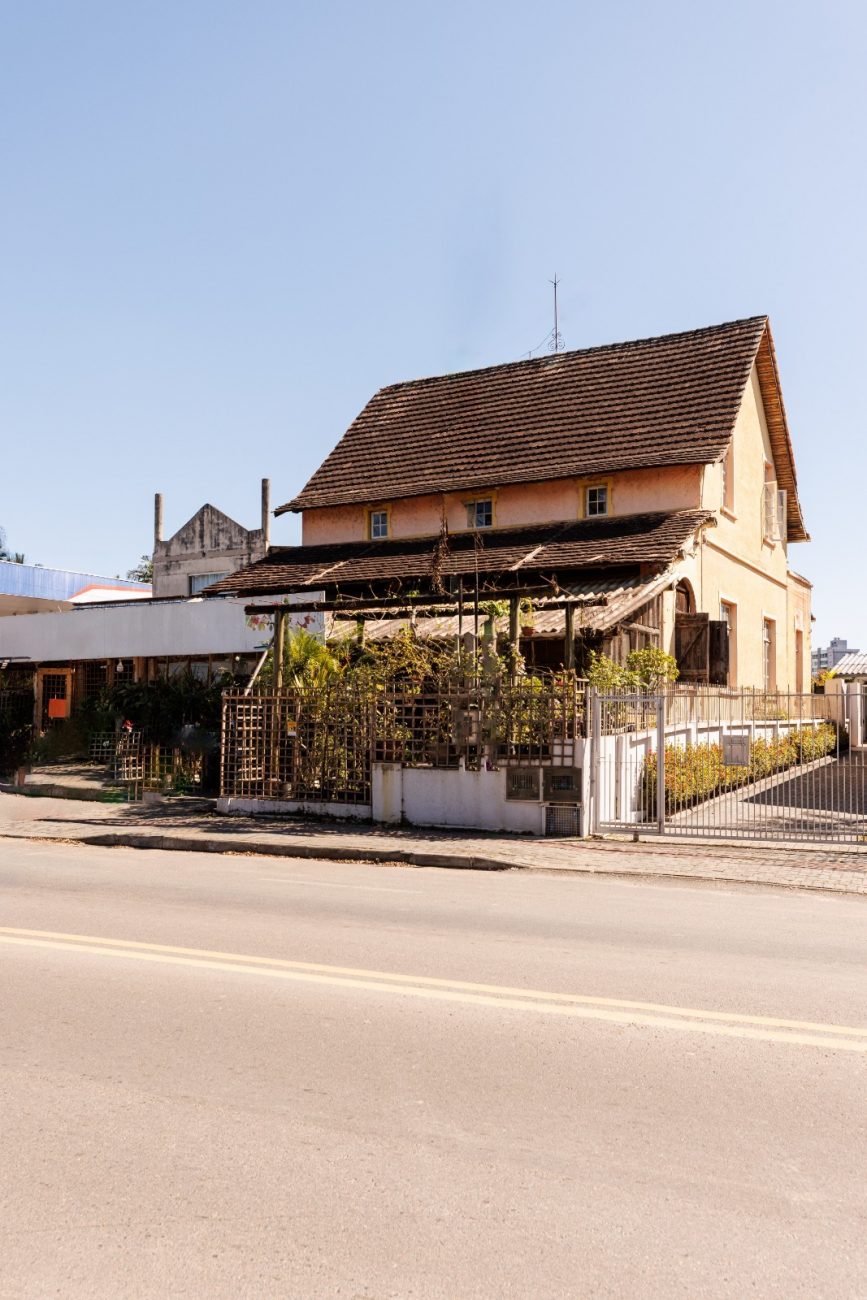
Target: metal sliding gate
735, 765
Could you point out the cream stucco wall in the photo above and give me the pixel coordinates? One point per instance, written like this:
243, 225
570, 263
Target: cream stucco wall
515, 505
737, 565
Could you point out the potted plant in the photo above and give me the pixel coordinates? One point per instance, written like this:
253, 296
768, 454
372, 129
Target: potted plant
528, 624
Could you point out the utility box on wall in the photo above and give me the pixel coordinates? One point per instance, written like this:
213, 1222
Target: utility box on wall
561, 785
522, 783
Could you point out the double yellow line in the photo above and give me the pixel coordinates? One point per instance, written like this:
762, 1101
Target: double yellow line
802, 1033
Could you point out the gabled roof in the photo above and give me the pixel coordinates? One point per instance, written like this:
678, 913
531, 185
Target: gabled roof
670, 400
505, 555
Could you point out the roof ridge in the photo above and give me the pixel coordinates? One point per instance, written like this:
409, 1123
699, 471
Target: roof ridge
574, 352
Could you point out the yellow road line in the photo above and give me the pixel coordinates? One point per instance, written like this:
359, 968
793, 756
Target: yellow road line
615, 1010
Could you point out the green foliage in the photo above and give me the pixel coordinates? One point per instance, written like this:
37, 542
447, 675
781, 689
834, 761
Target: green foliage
606, 675
697, 772
652, 667
494, 609
143, 571
16, 730
164, 708
646, 669
13, 557
307, 662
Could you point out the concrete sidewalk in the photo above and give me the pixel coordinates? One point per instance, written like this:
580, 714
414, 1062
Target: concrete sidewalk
176, 825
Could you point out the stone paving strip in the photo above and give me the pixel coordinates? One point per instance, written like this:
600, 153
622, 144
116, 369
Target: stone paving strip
839, 870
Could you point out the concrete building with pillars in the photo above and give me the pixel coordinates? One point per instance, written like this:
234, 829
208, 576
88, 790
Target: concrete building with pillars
208, 547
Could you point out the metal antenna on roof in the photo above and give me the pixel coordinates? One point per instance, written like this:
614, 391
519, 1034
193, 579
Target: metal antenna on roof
556, 344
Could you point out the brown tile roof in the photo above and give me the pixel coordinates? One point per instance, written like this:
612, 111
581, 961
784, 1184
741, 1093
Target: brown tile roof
670, 400
504, 554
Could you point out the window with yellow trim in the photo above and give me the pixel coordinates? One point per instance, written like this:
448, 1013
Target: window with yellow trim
597, 500
378, 526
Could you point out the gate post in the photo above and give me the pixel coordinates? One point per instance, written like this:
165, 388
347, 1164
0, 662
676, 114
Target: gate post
660, 763
594, 739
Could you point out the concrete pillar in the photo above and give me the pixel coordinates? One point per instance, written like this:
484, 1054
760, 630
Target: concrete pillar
266, 512
158, 518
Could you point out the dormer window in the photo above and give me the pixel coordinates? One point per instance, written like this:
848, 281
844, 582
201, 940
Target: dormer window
596, 500
378, 525
480, 514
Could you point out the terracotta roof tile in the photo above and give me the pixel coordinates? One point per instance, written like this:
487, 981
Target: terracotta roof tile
662, 401
650, 539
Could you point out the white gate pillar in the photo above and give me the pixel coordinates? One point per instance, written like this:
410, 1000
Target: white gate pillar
660, 763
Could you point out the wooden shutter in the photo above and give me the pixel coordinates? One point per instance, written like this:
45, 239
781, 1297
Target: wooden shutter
692, 646
782, 512
719, 653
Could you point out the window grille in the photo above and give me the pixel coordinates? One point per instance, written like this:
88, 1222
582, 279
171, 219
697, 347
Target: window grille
378, 524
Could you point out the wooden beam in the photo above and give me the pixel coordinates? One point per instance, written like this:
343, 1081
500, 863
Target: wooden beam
422, 606
279, 646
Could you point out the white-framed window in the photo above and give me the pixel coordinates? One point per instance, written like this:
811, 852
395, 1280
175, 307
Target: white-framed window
728, 479
774, 512
378, 525
769, 653
728, 614
480, 514
596, 500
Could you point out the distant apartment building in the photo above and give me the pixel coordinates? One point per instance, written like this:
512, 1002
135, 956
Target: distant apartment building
825, 660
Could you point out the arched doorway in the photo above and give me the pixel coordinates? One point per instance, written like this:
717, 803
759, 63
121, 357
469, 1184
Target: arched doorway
684, 599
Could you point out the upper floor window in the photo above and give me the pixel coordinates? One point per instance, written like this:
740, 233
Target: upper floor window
773, 512
596, 500
378, 524
769, 654
480, 514
728, 480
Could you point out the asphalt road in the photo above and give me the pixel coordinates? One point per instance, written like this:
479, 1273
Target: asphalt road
244, 1077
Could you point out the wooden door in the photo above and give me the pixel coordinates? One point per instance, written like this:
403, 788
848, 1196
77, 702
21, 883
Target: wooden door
692, 646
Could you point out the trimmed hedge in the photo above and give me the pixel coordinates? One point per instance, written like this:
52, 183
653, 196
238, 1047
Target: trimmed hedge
697, 772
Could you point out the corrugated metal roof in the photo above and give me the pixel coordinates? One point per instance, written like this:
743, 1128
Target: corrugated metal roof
36, 582
852, 665
616, 600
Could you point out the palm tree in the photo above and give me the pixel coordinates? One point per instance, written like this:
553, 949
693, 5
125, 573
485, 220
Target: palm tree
307, 661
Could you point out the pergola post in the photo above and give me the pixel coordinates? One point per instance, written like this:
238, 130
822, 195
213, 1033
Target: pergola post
513, 635
569, 646
279, 648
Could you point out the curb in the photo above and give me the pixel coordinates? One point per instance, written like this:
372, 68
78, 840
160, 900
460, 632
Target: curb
185, 844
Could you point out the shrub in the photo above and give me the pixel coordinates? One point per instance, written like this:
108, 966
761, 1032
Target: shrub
16, 729
646, 669
698, 772
652, 667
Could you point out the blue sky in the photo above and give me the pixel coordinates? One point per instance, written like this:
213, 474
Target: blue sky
225, 225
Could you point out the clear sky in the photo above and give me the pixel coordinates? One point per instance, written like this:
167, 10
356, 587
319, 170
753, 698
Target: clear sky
225, 225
